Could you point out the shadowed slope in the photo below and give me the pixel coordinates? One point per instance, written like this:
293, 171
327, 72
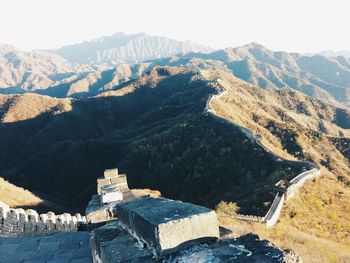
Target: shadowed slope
154, 129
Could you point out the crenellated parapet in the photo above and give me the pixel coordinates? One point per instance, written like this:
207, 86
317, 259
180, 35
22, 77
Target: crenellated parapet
112, 188
20, 222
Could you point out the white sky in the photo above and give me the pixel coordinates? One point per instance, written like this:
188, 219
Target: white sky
290, 25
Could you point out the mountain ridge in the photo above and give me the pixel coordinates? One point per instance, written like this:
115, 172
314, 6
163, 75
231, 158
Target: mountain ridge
156, 129
123, 48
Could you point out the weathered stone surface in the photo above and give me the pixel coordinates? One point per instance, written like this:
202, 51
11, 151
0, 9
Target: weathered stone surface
111, 197
97, 213
120, 187
110, 243
245, 249
102, 182
59, 247
119, 179
111, 173
168, 225
18, 222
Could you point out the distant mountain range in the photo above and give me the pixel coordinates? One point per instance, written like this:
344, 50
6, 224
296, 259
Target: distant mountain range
90, 68
26, 71
122, 48
152, 118
324, 78
330, 53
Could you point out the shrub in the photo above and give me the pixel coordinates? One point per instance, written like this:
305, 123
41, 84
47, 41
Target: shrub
227, 208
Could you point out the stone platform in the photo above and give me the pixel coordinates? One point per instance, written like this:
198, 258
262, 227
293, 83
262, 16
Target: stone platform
168, 225
112, 244
66, 247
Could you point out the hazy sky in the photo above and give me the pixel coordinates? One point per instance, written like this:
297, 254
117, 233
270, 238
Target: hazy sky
291, 25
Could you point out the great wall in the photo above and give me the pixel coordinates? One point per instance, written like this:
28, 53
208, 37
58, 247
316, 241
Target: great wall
120, 226
123, 227
20, 222
284, 189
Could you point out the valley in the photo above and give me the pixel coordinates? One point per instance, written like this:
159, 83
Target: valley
217, 128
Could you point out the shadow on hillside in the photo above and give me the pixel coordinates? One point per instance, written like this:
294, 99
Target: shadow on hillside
157, 134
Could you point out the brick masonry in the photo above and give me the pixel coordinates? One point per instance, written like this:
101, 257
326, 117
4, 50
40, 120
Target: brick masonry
18, 222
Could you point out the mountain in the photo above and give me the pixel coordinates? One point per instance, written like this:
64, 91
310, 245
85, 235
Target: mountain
157, 129
17, 196
49, 74
28, 71
327, 79
123, 48
324, 78
330, 53
150, 128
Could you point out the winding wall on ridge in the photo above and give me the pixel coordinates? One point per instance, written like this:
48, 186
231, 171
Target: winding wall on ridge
312, 171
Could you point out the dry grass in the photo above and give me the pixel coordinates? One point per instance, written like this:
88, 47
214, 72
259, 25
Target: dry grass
311, 248
291, 113
17, 196
14, 108
146, 192
316, 223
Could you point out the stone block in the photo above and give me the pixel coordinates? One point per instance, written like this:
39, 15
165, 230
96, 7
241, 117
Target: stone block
3, 205
51, 216
43, 218
114, 188
111, 173
97, 212
32, 214
111, 197
4, 208
128, 195
110, 243
118, 179
167, 225
102, 182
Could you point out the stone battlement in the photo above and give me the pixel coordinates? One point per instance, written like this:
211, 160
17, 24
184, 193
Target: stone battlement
20, 222
111, 189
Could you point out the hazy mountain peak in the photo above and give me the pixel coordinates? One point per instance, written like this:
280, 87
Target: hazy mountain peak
330, 53
127, 48
6, 48
253, 45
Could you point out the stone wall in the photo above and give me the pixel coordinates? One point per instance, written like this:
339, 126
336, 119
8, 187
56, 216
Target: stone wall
273, 214
20, 222
299, 180
283, 194
112, 188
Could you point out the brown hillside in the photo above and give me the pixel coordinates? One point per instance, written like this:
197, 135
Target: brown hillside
17, 196
299, 127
